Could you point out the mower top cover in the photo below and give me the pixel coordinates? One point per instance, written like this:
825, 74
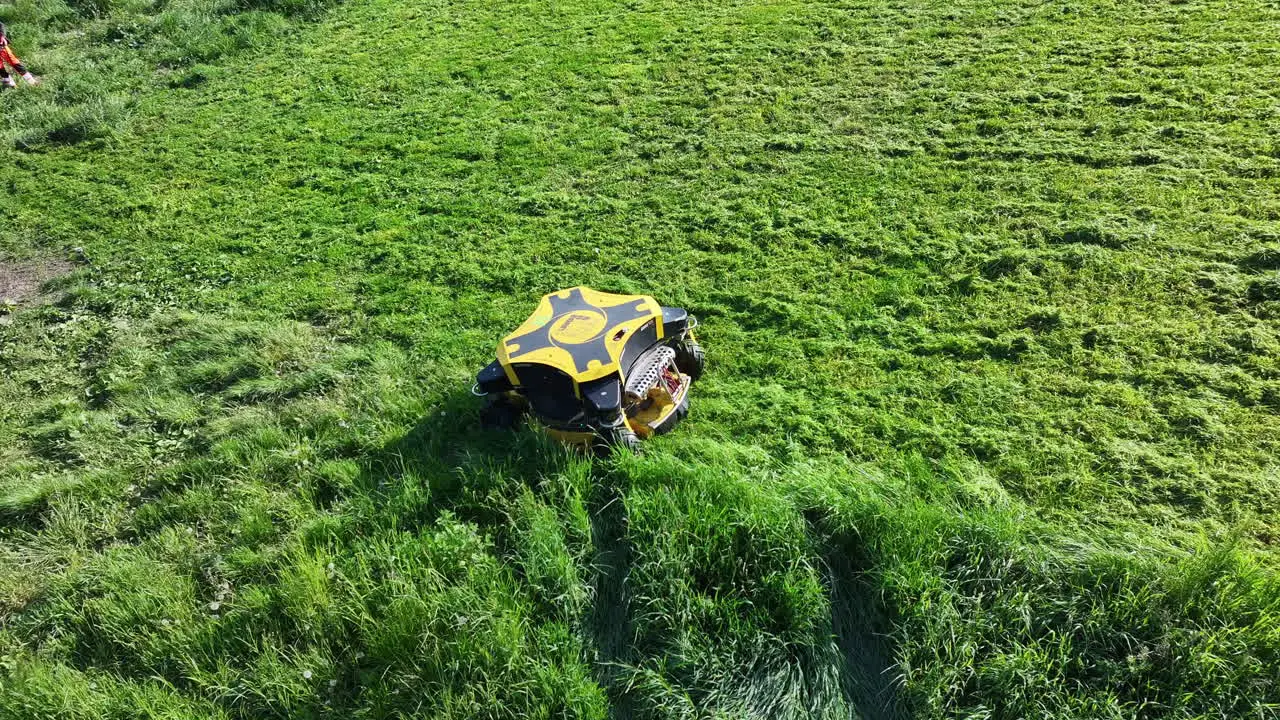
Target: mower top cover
581, 332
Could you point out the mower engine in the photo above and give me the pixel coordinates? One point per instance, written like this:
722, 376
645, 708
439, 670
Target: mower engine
596, 369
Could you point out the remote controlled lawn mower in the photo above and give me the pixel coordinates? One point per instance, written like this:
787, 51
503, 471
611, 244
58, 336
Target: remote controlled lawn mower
597, 370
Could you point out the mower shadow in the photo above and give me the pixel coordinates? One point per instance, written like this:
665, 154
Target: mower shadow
449, 463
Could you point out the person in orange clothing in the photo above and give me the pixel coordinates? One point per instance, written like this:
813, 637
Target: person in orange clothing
7, 58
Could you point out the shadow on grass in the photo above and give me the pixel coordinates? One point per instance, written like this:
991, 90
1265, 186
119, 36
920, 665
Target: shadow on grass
609, 622
868, 677
449, 463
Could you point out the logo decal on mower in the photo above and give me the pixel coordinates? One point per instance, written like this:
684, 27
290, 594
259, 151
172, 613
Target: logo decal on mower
577, 327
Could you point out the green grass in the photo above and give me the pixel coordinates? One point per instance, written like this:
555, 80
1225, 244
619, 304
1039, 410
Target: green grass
990, 427
96, 56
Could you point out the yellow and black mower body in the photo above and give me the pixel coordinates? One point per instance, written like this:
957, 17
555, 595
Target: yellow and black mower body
596, 369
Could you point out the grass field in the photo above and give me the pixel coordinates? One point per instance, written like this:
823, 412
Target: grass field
990, 293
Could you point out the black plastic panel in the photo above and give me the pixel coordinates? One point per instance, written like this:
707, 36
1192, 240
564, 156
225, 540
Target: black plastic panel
492, 379
550, 391
603, 396
674, 321
640, 341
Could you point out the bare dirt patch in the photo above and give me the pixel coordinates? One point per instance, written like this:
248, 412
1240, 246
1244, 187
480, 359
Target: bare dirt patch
22, 281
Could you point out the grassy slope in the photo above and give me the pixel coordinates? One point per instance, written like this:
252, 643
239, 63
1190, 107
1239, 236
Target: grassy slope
990, 294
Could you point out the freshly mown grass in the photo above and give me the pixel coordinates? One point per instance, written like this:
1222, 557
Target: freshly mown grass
95, 56
989, 431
